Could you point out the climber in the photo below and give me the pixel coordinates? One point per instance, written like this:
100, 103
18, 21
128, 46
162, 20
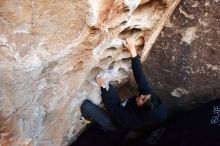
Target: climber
134, 113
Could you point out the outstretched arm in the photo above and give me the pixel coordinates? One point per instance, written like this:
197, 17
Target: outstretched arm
143, 86
110, 97
139, 76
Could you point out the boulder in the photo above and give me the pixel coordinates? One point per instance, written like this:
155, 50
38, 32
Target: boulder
50, 53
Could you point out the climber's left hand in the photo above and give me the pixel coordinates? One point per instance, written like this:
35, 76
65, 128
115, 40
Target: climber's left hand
130, 45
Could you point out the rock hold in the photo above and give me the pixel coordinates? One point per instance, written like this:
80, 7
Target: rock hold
51, 52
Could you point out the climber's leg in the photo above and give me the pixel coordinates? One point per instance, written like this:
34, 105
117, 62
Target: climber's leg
91, 111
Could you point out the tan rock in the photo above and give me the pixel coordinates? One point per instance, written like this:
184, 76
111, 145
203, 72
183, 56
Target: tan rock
50, 53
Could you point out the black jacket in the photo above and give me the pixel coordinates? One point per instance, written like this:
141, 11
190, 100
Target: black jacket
130, 116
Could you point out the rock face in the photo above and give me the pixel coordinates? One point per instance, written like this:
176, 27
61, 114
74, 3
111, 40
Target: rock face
183, 65
50, 52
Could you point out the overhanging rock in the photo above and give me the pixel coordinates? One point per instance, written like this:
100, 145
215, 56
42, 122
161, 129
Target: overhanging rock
50, 53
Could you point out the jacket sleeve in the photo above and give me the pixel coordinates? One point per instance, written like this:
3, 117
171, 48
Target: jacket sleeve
110, 98
112, 102
143, 86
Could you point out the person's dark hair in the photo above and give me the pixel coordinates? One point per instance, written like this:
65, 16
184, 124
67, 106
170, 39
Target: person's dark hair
152, 103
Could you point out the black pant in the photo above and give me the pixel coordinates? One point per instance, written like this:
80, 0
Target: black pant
92, 111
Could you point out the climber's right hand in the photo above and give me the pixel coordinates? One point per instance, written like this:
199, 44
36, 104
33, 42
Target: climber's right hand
130, 44
100, 81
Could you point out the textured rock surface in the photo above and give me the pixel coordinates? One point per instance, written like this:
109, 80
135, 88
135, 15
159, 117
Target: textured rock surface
50, 52
185, 58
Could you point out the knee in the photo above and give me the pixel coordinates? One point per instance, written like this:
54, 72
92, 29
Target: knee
85, 104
